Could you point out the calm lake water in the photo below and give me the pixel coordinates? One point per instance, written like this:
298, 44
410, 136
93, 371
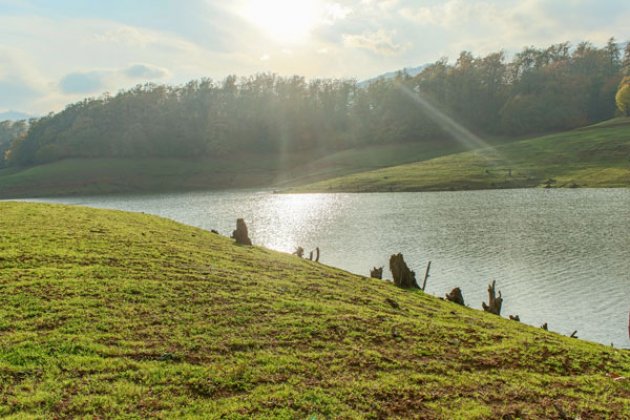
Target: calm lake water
558, 256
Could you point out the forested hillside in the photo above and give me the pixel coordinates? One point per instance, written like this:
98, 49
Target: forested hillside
10, 131
539, 90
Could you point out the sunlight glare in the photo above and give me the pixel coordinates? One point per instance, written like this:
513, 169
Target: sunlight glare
284, 20
459, 133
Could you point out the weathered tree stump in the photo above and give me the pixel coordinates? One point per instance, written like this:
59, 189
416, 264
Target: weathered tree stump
494, 302
456, 296
240, 235
545, 327
377, 273
299, 251
515, 318
317, 254
403, 276
310, 256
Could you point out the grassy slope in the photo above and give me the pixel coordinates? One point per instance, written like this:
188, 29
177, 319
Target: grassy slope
97, 176
597, 156
112, 313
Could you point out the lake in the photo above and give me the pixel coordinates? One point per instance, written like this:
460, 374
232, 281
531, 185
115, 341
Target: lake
558, 256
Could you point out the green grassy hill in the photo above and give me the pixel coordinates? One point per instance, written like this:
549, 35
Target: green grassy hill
596, 156
106, 313
100, 176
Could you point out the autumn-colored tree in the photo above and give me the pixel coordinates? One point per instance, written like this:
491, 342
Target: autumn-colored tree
10, 131
623, 97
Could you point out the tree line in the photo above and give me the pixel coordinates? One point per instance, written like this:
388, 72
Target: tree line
9, 132
540, 90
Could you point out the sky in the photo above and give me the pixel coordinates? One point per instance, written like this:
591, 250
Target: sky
55, 52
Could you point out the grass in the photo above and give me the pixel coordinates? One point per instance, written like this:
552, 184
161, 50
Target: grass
113, 314
101, 176
596, 156
98, 176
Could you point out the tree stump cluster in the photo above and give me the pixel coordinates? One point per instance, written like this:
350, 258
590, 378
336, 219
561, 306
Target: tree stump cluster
403, 276
494, 302
240, 235
456, 296
377, 273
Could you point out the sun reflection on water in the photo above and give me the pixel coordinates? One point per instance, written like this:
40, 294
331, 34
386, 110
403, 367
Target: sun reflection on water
291, 220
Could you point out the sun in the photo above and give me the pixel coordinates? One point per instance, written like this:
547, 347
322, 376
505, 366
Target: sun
289, 21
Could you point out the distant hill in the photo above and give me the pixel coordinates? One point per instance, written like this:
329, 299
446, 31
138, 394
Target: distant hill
411, 71
13, 116
243, 170
595, 156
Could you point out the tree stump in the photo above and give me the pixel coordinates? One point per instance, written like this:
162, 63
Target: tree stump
456, 296
317, 254
377, 273
403, 276
240, 235
515, 318
299, 251
494, 302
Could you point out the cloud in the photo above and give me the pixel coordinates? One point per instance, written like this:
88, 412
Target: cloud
451, 13
380, 42
334, 12
127, 36
15, 92
20, 84
490, 25
55, 60
98, 81
145, 71
83, 83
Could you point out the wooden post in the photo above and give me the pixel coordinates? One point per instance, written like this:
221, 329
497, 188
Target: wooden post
317, 254
426, 276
